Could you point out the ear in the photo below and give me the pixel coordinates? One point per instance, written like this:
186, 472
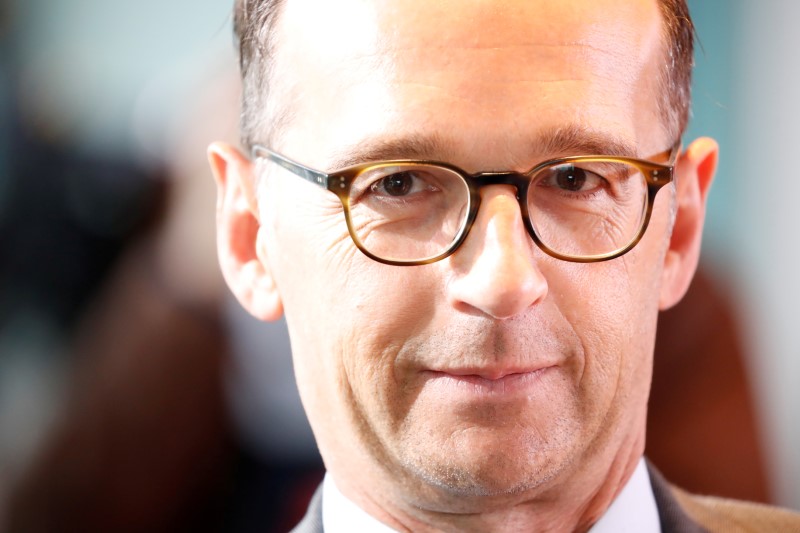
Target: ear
246, 272
694, 173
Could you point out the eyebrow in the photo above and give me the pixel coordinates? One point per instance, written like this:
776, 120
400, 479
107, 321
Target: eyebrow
389, 148
579, 140
556, 142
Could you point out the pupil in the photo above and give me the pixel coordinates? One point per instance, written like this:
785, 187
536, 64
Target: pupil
398, 184
571, 178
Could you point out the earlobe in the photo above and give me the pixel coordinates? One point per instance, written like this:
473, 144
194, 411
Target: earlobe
245, 271
694, 173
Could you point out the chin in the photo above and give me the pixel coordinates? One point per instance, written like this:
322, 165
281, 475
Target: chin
491, 468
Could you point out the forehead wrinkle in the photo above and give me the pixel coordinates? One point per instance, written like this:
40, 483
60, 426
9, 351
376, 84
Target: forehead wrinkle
501, 47
512, 63
467, 25
529, 34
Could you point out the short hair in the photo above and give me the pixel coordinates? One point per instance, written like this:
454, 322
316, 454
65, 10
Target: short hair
255, 22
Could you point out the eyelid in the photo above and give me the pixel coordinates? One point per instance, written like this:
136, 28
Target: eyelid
603, 169
372, 175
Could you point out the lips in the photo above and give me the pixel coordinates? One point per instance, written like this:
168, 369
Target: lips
493, 381
491, 374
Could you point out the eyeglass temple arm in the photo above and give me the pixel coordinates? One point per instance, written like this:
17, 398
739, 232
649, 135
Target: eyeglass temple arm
308, 174
674, 152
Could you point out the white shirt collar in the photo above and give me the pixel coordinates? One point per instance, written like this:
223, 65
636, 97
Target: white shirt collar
340, 515
633, 511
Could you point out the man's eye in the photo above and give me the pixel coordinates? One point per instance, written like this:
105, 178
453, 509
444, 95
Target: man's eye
398, 184
573, 179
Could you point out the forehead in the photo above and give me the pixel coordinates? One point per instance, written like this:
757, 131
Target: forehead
475, 70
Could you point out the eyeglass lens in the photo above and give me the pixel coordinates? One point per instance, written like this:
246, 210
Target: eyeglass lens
411, 212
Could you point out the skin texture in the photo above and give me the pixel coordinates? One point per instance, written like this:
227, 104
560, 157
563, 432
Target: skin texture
499, 389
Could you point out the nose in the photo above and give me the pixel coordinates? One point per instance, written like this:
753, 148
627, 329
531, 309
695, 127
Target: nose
495, 269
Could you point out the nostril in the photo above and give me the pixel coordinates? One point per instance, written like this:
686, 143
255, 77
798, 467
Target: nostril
501, 291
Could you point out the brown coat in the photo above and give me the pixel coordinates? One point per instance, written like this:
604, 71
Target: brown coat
724, 515
681, 512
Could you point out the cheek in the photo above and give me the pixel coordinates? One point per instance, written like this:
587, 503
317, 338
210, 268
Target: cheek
621, 296
305, 243
351, 374
388, 308
612, 311
348, 316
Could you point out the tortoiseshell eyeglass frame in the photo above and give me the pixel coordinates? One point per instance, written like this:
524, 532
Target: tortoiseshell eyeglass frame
339, 182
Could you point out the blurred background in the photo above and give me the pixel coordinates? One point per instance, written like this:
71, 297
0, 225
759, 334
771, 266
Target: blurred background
136, 395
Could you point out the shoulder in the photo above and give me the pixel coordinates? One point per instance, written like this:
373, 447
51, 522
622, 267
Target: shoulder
721, 514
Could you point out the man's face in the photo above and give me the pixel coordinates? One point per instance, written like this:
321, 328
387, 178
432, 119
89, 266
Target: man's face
498, 370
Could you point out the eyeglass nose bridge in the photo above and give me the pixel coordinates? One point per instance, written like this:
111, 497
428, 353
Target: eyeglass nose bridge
507, 177
518, 180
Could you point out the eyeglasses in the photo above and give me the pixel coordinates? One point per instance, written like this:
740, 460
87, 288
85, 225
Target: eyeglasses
582, 209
